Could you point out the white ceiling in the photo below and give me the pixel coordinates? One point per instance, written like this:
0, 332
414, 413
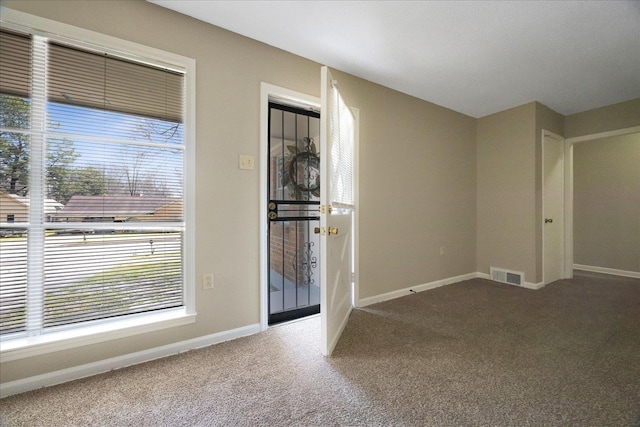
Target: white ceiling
475, 57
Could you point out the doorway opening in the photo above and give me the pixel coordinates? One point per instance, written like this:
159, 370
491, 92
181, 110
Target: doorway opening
337, 276
293, 212
569, 200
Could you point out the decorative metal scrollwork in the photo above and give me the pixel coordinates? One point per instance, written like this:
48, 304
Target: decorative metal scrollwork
309, 263
302, 169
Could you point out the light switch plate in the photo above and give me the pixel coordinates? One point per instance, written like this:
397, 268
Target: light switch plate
246, 162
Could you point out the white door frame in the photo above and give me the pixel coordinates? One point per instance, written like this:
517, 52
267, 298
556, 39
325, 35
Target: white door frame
268, 90
563, 225
568, 188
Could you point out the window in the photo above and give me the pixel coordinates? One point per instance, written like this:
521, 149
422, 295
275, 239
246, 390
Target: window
342, 152
94, 150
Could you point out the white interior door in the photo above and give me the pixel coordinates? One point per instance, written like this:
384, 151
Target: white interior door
553, 207
337, 134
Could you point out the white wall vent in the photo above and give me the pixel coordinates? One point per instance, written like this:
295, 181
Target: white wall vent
507, 276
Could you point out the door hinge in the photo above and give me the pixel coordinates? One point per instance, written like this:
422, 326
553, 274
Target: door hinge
353, 277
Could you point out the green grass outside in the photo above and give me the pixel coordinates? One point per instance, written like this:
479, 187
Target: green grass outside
114, 289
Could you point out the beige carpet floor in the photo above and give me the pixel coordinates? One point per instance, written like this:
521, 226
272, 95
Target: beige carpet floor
475, 353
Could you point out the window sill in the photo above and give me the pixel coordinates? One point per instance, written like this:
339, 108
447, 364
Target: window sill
20, 348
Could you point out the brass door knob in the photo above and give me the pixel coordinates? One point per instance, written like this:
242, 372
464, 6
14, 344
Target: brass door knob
333, 230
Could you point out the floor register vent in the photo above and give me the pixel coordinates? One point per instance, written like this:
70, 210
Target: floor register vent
507, 276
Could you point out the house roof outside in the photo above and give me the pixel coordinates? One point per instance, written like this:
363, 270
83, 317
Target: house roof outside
113, 206
51, 206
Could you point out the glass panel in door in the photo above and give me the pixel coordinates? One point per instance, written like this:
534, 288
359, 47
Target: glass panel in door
293, 212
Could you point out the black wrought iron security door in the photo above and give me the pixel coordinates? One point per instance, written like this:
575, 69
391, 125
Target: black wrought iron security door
293, 213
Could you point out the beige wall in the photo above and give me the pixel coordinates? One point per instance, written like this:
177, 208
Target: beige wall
606, 195
612, 117
506, 186
417, 174
417, 189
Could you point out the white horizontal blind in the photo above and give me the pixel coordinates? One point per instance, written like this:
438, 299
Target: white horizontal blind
15, 123
342, 152
107, 189
110, 274
35, 193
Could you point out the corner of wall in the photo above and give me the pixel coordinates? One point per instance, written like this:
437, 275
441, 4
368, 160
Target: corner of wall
506, 200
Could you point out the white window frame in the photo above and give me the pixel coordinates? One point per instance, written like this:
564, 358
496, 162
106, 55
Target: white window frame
19, 348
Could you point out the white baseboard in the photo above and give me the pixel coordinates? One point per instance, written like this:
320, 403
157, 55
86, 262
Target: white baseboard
432, 285
418, 288
534, 286
605, 270
99, 367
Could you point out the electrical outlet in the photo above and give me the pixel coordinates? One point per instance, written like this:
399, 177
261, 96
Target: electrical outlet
441, 250
207, 281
